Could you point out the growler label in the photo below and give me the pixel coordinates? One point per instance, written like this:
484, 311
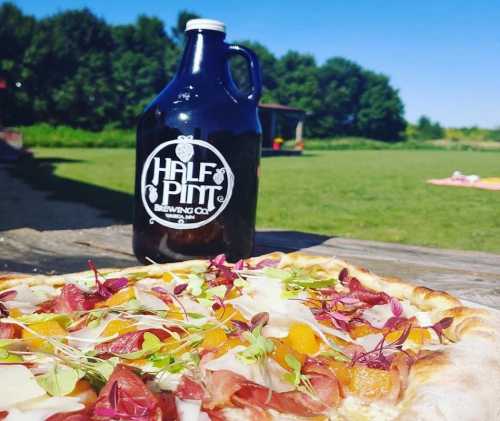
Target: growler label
185, 183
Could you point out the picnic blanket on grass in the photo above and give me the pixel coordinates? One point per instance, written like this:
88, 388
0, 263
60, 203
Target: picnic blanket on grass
460, 180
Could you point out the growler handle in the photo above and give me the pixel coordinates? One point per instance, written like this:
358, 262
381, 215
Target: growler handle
253, 65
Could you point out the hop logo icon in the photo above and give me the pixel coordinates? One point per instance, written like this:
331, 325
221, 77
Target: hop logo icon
184, 151
152, 193
219, 176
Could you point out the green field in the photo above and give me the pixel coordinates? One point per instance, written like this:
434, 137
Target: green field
376, 195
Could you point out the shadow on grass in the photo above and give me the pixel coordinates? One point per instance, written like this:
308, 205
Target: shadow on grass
40, 175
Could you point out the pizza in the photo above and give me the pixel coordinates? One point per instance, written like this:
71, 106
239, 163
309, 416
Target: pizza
277, 337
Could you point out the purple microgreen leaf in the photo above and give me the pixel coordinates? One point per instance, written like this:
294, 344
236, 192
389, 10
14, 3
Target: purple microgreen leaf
393, 322
8, 295
115, 284
259, 320
396, 307
440, 326
219, 303
240, 326
180, 304
344, 276
404, 336
3, 311
218, 260
180, 288
239, 265
101, 289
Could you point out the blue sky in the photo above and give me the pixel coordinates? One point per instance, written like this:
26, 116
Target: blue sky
443, 55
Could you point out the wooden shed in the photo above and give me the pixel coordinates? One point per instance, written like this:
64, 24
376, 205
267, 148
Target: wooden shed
274, 115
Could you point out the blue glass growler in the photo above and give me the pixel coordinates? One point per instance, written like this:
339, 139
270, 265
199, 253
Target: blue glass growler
197, 160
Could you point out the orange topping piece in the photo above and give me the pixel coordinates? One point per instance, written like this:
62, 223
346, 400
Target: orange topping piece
369, 383
301, 338
227, 313
84, 391
281, 350
119, 327
362, 330
214, 338
341, 370
167, 277
50, 328
229, 344
418, 335
118, 298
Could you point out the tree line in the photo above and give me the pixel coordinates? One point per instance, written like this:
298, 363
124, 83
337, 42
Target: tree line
73, 68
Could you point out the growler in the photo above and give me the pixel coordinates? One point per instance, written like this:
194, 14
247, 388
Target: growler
197, 156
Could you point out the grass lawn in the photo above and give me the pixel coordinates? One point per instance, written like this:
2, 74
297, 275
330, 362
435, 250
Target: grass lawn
376, 195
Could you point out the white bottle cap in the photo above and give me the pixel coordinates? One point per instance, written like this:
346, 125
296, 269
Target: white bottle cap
214, 25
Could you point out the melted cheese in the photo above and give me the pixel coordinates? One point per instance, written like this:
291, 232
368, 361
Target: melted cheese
354, 409
18, 386
149, 301
271, 378
265, 295
85, 339
188, 410
41, 409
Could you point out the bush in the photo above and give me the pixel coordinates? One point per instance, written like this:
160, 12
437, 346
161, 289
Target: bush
46, 135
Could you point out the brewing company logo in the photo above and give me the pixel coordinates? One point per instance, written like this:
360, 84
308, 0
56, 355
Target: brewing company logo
185, 183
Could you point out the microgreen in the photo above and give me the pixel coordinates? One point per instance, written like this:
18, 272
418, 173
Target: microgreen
179, 289
59, 380
298, 279
335, 353
296, 378
440, 326
6, 357
195, 285
377, 358
8, 295
259, 320
167, 362
3, 311
107, 288
218, 291
259, 347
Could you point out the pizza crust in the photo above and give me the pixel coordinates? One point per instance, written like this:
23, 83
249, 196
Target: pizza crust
460, 382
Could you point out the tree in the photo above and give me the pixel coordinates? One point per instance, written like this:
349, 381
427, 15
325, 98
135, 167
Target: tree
180, 27
381, 111
341, 84
73, 68
268, 63
139, 66
69, 67
16, 33
298, 82
426, 129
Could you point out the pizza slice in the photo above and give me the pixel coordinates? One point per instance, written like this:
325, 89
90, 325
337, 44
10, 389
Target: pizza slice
278, 337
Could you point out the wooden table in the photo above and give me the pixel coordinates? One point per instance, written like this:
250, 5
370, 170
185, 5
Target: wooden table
473, 276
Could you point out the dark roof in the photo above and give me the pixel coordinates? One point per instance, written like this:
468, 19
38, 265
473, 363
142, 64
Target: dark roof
281, 107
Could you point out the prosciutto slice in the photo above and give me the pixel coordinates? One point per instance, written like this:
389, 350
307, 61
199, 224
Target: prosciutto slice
225, 388
9, 331
129, 342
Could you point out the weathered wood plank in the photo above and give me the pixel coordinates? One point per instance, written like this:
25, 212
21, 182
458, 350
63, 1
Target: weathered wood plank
471, 275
